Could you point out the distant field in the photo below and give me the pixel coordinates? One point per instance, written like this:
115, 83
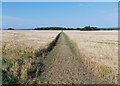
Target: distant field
15, 42
27, 38
76, 57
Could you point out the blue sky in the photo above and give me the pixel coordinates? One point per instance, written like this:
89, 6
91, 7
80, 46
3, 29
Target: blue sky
27, 15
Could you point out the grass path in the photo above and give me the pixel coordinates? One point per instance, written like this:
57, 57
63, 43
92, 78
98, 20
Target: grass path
64, 66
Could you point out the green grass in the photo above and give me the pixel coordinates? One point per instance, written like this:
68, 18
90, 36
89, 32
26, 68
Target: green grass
51, 56
73, 46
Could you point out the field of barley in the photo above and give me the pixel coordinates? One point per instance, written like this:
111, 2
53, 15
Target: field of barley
55, 57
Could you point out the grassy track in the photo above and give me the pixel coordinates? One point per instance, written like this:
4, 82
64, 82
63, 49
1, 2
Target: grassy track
63, 64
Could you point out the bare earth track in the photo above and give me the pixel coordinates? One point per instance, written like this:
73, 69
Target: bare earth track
67, 67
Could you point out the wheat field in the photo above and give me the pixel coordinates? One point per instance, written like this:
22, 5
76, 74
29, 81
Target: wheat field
25, 38
24, 52
99, 50
20, 50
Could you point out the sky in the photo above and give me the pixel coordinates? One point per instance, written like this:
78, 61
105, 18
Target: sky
28, 15
60, 0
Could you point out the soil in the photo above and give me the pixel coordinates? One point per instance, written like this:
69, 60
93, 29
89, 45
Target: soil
67, 67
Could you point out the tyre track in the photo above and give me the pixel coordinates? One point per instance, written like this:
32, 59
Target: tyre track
66, 67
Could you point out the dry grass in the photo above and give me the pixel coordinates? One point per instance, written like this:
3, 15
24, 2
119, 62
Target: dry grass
99, 50
15, 43
25, 38
20, 51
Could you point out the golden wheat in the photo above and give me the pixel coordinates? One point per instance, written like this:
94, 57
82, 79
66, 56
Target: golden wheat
99, 51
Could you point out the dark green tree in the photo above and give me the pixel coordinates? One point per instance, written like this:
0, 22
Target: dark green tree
11, 29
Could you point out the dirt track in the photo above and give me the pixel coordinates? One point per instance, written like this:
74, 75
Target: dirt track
67, 67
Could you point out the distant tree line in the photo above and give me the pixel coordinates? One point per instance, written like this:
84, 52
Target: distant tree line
56, 28
110, 28
11, 29
86, 28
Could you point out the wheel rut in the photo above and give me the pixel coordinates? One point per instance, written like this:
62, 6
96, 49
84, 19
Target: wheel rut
66, 67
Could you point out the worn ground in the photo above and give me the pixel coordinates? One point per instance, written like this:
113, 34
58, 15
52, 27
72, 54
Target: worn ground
67, 68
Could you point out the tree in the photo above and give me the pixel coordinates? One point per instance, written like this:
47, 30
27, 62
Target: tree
88, 28
11, 29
